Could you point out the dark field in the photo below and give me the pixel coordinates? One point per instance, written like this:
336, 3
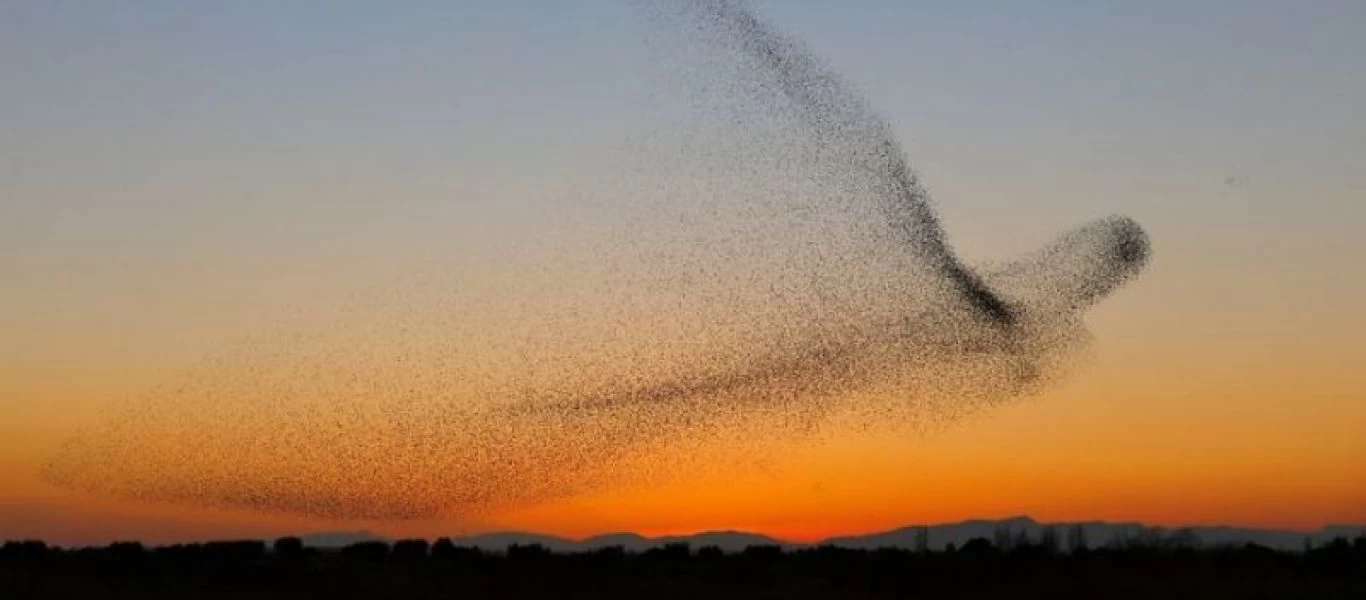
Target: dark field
415, 569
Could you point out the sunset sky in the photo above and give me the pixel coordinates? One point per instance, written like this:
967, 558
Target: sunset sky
175, 177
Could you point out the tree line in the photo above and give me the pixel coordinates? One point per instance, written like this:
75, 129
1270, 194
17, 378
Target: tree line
1009, 565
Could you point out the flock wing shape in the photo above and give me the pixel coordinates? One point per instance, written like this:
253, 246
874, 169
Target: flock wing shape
870, 315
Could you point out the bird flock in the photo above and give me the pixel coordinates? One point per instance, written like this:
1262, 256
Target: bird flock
782, 272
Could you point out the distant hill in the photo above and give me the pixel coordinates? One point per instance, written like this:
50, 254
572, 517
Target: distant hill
1097, 533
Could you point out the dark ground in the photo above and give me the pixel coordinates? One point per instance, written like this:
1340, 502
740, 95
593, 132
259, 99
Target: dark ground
414, 569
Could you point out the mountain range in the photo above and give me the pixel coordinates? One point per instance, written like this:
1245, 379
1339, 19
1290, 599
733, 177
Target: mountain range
937, 537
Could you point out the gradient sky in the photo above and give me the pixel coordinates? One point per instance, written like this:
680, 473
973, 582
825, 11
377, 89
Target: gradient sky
173, 174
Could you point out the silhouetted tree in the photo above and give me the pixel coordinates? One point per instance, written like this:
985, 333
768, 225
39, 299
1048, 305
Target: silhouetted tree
671, 551
235, 551
1076, 539
1120, 540
410, 549
1048, 539
527, 552
1001, 537
710, 552
922, 539
1149, 537
977, 547
613, 554
229, 570
126, 550
1184, 538
371, 551
288, 547
443, 548
763, 551
26, 550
